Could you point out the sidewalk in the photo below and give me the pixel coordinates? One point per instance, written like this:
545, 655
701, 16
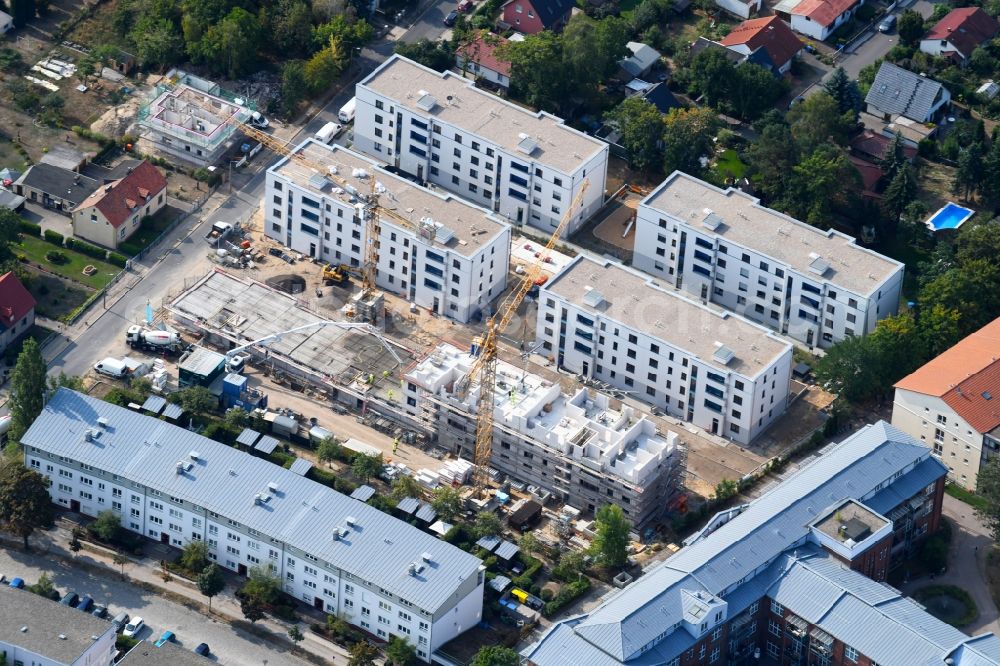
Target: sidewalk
225, 607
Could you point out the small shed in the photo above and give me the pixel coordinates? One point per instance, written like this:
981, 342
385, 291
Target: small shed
301, 466
500, 583
488, 543
200, 367
154, 404
363, 493
248, 437
801, 371
426, 513
440, 528
524, 514
266, 445
408, 505
172, 412
506, 550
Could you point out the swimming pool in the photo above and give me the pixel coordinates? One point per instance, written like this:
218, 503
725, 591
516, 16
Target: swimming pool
950, 216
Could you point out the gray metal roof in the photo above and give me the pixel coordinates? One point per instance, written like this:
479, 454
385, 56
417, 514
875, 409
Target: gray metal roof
248, 437
172, 411
907, 486
901, 92
776, 522
302, 513
154, 404
500, 583
488, 542
408, 505
506, 550
46, 621
267, 444
363, 493
301, 466
426, 513
202, 361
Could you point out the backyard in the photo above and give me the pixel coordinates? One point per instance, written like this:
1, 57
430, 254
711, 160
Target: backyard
34, 250
56, 297
151, 228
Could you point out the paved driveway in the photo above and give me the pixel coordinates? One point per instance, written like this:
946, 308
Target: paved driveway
970, 542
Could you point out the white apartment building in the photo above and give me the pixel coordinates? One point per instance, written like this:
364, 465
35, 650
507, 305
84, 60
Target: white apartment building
948, 404
586, 448
451, 257
439, 127
330, 551
717, 370
817, 287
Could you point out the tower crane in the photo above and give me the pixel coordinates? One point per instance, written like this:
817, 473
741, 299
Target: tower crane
373, 211
484, 368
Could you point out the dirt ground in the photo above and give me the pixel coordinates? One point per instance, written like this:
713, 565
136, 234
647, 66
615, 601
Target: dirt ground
708, 464
935, 185
803, 417
614, 225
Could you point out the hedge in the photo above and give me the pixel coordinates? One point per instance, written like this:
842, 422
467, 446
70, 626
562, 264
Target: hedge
54, 237
568, 593
86, 248
29, 228
117, 259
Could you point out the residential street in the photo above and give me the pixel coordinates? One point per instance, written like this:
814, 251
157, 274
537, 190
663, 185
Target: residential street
970, 542
879, 44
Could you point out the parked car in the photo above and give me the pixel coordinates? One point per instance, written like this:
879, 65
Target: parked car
887, 24
275, 251
450, 19
166, 637
100, 611
70, 599
119, 621
17, 583
3, 579
465, 6
134, 627
86, 603
202, 649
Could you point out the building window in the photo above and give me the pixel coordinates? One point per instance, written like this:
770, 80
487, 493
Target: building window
774, 628
851, 653
777, 608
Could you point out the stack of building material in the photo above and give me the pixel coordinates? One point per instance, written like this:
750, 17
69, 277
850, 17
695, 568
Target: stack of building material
456, 472
427, 478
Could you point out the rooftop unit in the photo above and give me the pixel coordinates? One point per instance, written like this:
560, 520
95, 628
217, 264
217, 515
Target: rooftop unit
526, 144
723, 354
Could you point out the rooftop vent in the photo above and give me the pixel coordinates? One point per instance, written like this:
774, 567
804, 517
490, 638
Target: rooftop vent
194, 455
179, 467
593, 298
24, 629
526, 145
88, 435
350, 521
723, 354
427, 557
427, 101
318, 181
818, 264
103, 422
272, 486
62, 637
711, 220
987, 395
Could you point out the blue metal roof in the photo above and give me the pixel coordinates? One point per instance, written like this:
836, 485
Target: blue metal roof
408, 505
488, 542
908, 485
154, 404
172, 411
363, 493
506, 550
629, 625
426, 513
267, 444
302, 513
301, 466
248, 437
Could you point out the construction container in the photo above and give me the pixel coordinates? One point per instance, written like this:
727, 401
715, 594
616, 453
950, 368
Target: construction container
234, 385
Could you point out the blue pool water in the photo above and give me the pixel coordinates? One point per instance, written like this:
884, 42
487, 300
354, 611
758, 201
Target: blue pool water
951, 216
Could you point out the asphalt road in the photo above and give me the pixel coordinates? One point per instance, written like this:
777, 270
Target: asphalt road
880, 44
191, 627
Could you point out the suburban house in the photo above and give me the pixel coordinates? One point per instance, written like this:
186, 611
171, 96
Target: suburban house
769, 33
744, 9
17, 310
958, 34
115, 210
871, 147
54, 187
898, 92
479, 58
642, 58
759, 57
530, 17
6, 22
948, 404
819, 18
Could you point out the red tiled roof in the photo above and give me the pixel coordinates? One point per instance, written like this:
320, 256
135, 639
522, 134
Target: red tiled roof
482, 50
15, 300
771, 33
870, 174
963, 376
823, 12
118, 200
875, 144
966, 28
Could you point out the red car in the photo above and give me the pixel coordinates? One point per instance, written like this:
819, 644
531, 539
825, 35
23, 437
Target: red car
465, 6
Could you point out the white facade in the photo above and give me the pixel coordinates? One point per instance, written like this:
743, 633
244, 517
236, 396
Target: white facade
238, 547
451, 257
938, 47
584, 448
806, 26
525, 166
481, 70
723, 373
723, 246
6, 22
957, 443
740, 8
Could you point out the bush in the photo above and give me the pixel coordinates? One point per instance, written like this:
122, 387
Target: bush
29, 228
56, 257
567, 594
86, 248
117, 260
54, 237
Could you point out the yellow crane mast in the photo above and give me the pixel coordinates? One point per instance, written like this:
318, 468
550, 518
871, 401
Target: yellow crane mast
373, 210
484, 368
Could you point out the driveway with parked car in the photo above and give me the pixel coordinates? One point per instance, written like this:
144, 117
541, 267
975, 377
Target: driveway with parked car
188, 628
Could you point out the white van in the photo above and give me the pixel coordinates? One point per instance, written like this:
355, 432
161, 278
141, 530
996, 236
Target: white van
328, 132
112, 367
346, 114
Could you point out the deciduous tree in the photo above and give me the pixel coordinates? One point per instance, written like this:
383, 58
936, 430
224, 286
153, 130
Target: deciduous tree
611, 536
107, 526
487, 524
436, 55
27, 389
910, 27
210, 583
366, 466
194, 557
447, 502
687, 137
328, 450
362, 654
819, 120
641, 127
25, 505
293, 86
399, 652
496, 655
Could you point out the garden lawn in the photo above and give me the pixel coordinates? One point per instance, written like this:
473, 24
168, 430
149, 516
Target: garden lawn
728, 165
150, 230
35, 248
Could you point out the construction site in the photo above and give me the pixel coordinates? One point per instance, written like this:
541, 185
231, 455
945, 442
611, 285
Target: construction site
191, 118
